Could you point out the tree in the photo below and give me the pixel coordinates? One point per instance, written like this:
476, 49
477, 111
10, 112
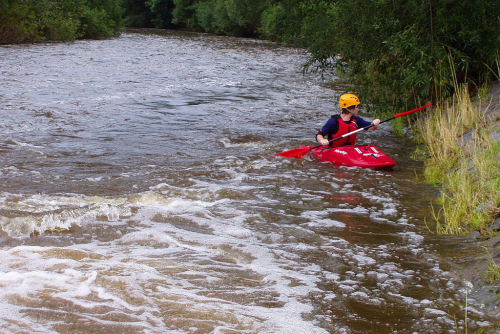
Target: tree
225, 17
136, 14
162, 13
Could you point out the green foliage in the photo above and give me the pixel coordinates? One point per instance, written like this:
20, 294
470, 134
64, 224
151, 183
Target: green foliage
161, 11
136, 14
32, 21
183, 13
17, 24
226, 17
397, 53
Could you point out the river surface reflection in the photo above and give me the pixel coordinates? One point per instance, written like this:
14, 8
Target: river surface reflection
139, 194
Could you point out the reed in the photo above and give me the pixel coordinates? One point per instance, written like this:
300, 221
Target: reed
463, 161
493, 272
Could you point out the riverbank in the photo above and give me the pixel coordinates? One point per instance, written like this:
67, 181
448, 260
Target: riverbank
470, 188
486, 279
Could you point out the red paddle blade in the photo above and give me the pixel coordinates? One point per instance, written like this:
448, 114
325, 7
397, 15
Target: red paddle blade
412, 111
295, 153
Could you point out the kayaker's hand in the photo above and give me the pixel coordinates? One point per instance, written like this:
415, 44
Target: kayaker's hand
375, 123
324, 142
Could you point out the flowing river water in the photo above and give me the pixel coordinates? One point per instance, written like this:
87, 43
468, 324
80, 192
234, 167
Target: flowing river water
139, 194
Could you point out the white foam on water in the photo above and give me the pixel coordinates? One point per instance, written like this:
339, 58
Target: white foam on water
412, 237
317, 219
40, 213
37, 283
21, 144
119, 274
226, 142
364, 260
435, 312
187, 254
329, 223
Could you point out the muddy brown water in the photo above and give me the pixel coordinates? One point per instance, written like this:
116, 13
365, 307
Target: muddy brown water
139, 194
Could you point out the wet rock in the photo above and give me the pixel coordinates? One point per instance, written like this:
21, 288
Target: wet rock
495, 131
475, 234
496, 225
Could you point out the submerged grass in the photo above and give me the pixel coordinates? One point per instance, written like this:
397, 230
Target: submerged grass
463, 160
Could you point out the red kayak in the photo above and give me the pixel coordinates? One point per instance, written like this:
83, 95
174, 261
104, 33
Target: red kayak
356, 155
365, 156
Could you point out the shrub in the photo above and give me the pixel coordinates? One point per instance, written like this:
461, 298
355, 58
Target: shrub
32, 21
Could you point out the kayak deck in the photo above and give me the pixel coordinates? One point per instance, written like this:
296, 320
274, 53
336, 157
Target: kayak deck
365, 156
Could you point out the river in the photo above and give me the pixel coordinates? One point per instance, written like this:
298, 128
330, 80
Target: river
139, 194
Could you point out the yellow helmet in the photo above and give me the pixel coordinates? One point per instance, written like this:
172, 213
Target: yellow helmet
348, 100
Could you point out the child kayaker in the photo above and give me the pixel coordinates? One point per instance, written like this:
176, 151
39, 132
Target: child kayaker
346, 122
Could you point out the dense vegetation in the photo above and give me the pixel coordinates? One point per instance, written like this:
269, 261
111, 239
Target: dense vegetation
30, 21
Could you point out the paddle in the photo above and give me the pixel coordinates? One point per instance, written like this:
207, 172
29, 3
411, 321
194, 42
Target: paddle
302, 151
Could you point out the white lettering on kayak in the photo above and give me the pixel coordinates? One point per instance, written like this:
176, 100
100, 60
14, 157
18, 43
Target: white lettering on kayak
341, 152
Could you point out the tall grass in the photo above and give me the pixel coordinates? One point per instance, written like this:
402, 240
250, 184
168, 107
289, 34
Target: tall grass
463, 161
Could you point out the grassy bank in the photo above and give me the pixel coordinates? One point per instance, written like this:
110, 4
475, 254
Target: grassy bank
462, 159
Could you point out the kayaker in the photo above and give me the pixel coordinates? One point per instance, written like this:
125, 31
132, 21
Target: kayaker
346, 122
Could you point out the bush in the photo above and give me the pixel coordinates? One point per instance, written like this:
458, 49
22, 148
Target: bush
32, 21
18, 25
